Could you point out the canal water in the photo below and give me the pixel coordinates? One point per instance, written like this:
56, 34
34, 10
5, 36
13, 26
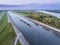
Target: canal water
35, 34
54, 14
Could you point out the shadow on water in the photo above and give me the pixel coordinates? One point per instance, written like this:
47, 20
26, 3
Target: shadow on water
48, 29
34, 22
55, 32
25, 23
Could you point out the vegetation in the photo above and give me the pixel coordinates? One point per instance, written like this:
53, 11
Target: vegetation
24, 12
7, 34
56, 11
45, 18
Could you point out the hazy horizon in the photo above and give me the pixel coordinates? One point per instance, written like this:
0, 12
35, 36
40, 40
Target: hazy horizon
23, 2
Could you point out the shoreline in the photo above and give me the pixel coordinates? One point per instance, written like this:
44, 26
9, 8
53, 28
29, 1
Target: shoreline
44, 25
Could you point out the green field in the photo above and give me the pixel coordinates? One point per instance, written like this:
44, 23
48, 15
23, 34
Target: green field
7, 34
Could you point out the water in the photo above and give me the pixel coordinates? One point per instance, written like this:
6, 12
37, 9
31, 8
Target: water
54, 14
34, 34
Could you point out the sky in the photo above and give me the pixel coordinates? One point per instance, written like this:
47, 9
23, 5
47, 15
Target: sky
22, 2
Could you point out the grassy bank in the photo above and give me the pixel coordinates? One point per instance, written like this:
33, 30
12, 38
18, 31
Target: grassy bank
7, 34
47, 19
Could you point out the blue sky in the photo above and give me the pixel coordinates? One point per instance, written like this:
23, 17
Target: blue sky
22, 2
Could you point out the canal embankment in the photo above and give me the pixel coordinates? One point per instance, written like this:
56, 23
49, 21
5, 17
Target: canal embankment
45, 25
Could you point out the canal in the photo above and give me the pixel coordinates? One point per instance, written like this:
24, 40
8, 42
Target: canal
35, 34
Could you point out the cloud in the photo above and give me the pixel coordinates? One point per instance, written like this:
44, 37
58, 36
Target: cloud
19, 2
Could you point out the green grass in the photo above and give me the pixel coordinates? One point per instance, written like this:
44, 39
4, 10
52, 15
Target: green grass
7, 34
18, 43
19, 13
1, 14
3, 22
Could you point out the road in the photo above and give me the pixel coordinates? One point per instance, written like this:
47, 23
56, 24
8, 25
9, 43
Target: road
33, 33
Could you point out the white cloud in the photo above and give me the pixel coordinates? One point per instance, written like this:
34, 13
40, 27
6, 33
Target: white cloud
18, 2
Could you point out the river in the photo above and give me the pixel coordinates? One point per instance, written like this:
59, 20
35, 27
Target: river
35, 34
54, 14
